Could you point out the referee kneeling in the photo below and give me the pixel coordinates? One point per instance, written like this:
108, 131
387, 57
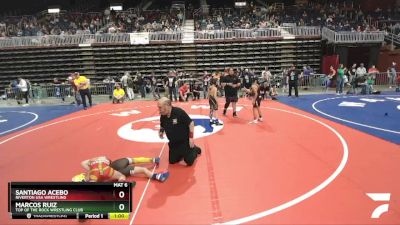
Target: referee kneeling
179, 128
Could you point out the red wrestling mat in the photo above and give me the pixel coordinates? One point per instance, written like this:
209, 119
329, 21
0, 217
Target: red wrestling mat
293, 168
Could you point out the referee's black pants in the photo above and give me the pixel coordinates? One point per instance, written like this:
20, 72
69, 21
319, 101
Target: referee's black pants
182, 150
296, 89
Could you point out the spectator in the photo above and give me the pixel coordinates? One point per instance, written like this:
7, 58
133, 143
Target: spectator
329, 77
82, 84
184, 92
110, 82
170, 82
141, 83
196, 92
294, 76
340, 80
23, 91
130, 87
206, 83
154, 88
361, 71
392, 75
118, 94
124, 82
78, 99
306, 80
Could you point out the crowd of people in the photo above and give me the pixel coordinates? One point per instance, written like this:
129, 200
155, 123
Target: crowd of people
181, 86
337, 15
70, 23
358, 77
52, 24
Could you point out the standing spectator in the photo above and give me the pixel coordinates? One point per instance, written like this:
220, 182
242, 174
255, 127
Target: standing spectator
178, 82
171, 84
154, 88
82, 84
307, 71
247, 79
124, 82
266, 75
165, 85
285, 79
268, 87
141, 83
219, 78
392, 75
129, 88
23, 91
118, 94
59, 88
206, 83
351, 76
340, 80
329, 77
196, 90
14, 89
372, 73
77, 96
293, 75
361, 71
109, 82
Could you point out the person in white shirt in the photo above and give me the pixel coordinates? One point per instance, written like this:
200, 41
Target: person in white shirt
266, 74
23, 88
361, 70
124, 81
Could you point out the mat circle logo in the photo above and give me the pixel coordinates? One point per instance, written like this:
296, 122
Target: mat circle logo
146, 130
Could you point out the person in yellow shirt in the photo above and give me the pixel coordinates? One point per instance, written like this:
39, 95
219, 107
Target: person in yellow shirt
82, 85
118, 95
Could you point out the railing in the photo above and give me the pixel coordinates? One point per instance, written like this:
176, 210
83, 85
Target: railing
124, 38
353, 37
176, 36
328, 34
393, 39
236, 34
314, 81
379, 79
166, 36
59, 91
303, 31
256, 33
119, 38
51, 40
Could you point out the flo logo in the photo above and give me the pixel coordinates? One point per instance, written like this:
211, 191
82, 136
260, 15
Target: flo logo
146, 130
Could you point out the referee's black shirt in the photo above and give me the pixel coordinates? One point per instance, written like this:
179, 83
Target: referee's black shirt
230, 91
176, 126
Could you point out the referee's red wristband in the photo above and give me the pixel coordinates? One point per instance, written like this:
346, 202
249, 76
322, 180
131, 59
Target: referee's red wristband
190, 134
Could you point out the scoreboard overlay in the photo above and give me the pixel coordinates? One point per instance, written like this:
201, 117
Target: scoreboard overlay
70, 200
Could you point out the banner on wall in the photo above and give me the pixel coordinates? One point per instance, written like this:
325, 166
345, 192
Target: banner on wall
141, 38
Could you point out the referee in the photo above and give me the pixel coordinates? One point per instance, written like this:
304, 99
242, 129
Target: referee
179, 129
231, 85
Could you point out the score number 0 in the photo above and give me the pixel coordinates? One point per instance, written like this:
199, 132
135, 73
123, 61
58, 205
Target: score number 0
121, 195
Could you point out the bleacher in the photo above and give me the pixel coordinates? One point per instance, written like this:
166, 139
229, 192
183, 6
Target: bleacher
42, 65
39, 65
